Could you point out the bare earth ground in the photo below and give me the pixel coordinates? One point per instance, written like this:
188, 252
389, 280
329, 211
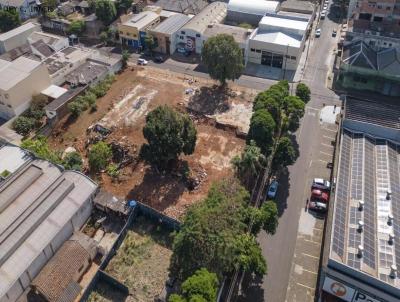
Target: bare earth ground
136, 92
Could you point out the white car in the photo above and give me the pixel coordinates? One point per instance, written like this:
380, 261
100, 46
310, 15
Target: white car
323, 14
321, 183
273, 188
325, 7
142, 62
318, 32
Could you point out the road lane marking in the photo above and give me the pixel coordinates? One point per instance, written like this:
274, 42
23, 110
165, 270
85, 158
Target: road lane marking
328, 137
327, 129
312, 288
326, 153
311, 272
308, 255
316, 242
313, 108
324, 161
326, 145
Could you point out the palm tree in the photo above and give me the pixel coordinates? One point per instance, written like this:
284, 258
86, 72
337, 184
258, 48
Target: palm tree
249, 164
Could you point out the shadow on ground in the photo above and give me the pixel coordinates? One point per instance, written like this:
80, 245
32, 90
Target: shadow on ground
251, 289
211, 100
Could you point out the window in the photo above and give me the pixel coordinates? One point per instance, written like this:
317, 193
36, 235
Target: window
198, 35
390, 44
258, 51
287, 56
128, 34
293, 58
181, 37
252, 49
378, 19
379, 6
388, 8
183, 32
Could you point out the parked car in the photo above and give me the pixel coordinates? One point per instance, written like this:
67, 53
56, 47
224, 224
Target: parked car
159, 59
320, 195
334, 32
318, 32
142, 62
323, 14
325, 7
317, 206
273, 188
319, 183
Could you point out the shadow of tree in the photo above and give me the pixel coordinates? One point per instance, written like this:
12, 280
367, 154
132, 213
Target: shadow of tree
252, 289
283, 192
157, 190
211, 100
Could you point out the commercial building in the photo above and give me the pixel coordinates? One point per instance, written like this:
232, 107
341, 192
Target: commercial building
133, 31
362, 247
41, 206
187, 7
166, 35
364, 68
279, 40
297, 6
17, 36
250, 12
20, 80
191, 34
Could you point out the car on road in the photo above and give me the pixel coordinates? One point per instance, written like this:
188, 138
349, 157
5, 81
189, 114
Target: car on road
142, 62
320, 195
323, 14
325, 7
159, 59
317, 206
318, 32
272, 189
320, 183
334, 32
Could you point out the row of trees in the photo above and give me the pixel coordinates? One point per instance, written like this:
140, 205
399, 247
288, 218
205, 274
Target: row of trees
9, 19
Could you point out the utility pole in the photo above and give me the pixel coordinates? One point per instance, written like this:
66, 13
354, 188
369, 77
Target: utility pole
286, 55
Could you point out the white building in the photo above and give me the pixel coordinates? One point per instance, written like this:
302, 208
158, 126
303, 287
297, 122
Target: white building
20, 80
191, 34
279, 40
40, 207
17, 36
251, 12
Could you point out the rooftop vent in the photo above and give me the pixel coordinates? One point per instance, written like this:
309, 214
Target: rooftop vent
361, 205
391, 237
360, 225
393, 271
360, 251
390, 219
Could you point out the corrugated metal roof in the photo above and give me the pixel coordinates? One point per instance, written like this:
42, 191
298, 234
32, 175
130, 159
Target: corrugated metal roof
254, 7
172, 24
16, 31
213, 13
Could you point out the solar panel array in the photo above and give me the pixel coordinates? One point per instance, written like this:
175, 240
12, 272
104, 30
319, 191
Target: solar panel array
357, 166
338, 240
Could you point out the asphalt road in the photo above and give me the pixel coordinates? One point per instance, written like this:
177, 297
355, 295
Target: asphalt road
279, 248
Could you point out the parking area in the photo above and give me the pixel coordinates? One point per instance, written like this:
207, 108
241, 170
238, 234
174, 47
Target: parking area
305, 265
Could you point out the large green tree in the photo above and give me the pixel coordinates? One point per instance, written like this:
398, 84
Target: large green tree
223, 58
105, 11
262, 130
201, 286
9, 19
73, 161
40, 148
168, 133
99, 156
76, 27
249, 164
214, 234
23, 125
292, 111
285, 154
303, 92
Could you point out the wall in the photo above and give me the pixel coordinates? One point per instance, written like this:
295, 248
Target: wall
20, 95
17, 40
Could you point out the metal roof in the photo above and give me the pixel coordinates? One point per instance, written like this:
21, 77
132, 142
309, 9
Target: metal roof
213, 13
254, 7
18, 30
37, 201
172, 24
283, 22
238, 33
16, 71
183, 6
142, 19
278, 38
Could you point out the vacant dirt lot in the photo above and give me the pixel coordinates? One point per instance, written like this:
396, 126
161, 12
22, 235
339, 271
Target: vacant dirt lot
218, 114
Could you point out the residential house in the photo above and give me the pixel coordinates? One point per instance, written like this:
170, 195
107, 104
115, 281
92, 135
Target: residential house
26, 8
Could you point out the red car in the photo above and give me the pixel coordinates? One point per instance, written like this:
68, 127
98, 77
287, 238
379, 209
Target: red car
320, 195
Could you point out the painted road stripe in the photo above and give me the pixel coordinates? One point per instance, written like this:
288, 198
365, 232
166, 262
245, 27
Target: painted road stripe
316, 242
326, 153
327, 129
311, 272
326, 145
328, 137
308, 255
312, 288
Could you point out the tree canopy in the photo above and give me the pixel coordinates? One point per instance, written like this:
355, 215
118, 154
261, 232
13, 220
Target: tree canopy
99, 156
73, 161
9, 19
223, 58
168, 133
214, 233
41, 149
285, 154
76, 27
262, 130
23, 125
105, 10
303, 92
201, 286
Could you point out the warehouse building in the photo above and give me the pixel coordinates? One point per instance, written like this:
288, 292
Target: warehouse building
17, 36
191, 34
166, 33
279, 40
41, 206
250, 12
362, 246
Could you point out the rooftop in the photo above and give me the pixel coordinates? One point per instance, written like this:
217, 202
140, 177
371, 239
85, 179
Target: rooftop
255, 7
214, 13
172, 24
239, 34
297, 6
283, 22
20, 29
36, 202
54, 91
142, 19
369, 168
279, 38
65, 57
16, 71
183, 6
86, 73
